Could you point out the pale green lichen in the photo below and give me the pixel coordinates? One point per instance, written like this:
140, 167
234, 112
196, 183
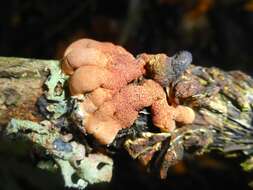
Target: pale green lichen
55, 92
16, 125
68, 172
69, 155
57, 109
95, 168
55, 83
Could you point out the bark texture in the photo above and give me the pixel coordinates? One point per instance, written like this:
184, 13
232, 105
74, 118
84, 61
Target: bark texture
21, 83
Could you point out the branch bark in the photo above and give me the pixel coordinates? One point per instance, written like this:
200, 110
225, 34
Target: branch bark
21, 83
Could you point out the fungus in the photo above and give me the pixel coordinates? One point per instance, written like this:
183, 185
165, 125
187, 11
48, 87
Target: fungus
100, 69
164, 69
122, 110
110, 61
103, 73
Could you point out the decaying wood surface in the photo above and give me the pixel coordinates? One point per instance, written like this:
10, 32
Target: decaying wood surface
223, 103
21, 83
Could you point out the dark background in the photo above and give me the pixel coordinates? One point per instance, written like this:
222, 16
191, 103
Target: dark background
218, 33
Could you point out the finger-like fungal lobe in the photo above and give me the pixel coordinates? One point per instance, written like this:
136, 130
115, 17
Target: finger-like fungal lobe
122, 110
101, 73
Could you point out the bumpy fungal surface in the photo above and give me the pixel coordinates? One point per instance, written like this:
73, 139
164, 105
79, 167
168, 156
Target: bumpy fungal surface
112, 65
122, 111
102, 73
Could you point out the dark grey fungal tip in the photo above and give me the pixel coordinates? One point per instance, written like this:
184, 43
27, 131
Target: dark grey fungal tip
181, 61
182, 58
62, 146
164, 69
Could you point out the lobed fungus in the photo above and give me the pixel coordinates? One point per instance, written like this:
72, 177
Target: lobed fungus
103, 72
122, 110
112, 65
100, 69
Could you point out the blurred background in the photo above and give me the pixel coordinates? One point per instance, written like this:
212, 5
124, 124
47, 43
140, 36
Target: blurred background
217, 32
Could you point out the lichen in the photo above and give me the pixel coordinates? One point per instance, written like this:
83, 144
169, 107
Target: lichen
55, 83
69, 155
55, 93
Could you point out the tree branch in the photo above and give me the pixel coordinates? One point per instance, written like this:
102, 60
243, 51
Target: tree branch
223, 103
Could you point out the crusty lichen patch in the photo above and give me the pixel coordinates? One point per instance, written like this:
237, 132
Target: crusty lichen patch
77, 168
55, 83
